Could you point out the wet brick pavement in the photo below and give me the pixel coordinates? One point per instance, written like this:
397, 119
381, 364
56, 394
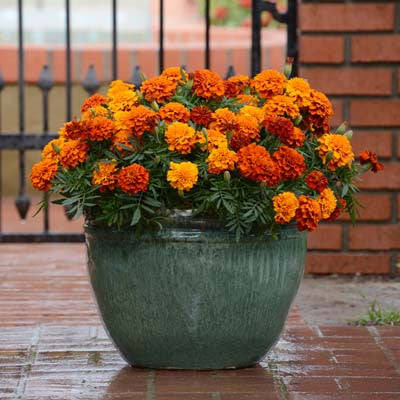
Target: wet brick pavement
52, 346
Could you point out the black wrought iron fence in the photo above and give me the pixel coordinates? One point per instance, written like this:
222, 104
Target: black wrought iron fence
23, 140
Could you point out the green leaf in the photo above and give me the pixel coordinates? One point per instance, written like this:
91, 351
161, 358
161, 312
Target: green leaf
136, 216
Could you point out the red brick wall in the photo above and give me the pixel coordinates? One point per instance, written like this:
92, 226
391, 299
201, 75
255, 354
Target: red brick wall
351, 51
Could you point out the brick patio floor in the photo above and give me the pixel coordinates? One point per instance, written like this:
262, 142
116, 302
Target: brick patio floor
52, 346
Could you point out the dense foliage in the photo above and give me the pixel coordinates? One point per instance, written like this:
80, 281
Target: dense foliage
255, 154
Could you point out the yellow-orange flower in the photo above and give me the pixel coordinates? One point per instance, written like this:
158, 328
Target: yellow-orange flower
118, 86
221, 160
52, 149
174, 112
308, 214
269, 83
158, 89
93, 101
207, 84
182, 176
181, 137
291, 163
252, 111
76, 130
105, 176
318, 113
235, 85
285, 206
256, 164
73, 153
100, 128
327, 202
133, 179
215, 140
174, 74
224, 120
337, 148
299, 89
42, 173
138, 120
123, 100
283, 106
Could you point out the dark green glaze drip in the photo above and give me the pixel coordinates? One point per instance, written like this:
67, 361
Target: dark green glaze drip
191, 297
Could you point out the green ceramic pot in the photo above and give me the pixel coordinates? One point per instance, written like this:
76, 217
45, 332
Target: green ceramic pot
191, 297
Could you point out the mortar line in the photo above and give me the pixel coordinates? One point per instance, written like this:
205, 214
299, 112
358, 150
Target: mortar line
151, 386
385, 350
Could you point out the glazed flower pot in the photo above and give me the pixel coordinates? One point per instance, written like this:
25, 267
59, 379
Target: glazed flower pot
190, 296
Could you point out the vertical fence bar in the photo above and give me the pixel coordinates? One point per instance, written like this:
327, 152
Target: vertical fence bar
207, 38
45, 83
68, 60
22, 201
292, 35
114, 41
161, 38
256, 37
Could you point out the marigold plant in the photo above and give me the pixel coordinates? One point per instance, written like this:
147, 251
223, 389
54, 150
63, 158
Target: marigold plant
255, 154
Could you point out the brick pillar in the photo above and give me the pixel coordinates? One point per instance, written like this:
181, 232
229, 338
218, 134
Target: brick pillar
351, 51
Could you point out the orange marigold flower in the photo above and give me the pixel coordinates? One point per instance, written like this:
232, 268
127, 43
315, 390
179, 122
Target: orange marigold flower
299, 89
182, 176
138, 120
181, 137
118, 86
105, 176
285, 206
290, 162
215, 140
207, 84
318, 113
369, 157
256, 164
269, 83
42, 173
100, 128
252, 111
327, 202
73, 153
133, 179
288, 134
308, 214
158, 89
174, 112
93, 101
174, 74
76, 130
239, 139
249, 126
338, 148
340, 207
96, 111
201, 115
248, 99
221, 160
224, 120
52, 149
283, 106
235, 85
316, 180
123, 100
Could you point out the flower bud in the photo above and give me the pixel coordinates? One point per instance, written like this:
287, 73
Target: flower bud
227, 176
139, 94
189, 84
298, 120
154, 105
157, 159
349, 134
288, 68
263, 184
342, 128
56, 148
180, 192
